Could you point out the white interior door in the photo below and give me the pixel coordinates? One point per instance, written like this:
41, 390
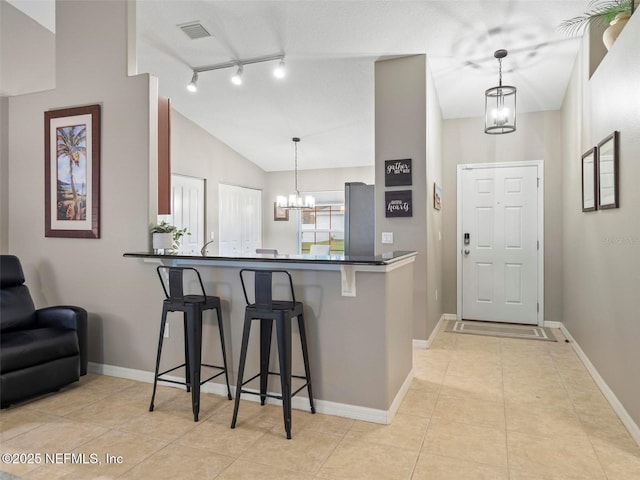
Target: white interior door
499, 248
187, 211
240, 220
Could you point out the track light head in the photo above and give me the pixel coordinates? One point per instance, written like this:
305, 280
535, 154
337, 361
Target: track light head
280, 71
193, 85
237, 78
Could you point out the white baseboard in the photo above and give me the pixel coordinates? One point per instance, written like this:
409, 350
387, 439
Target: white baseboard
421, 344
551, 324
622, 413
424, 344
355, 412
395, 405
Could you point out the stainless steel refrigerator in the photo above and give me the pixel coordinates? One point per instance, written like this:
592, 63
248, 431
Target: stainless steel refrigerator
359, 219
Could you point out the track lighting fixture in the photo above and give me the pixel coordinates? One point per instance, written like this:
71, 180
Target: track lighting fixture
193, 85
237, 77
278, 72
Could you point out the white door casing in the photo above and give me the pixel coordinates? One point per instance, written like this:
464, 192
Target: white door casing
187, 211
240, 220
500, 270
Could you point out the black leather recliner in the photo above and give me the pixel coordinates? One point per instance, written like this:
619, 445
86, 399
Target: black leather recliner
40, 350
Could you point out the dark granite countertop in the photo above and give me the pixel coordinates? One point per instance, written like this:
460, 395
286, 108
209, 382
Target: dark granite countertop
383, 259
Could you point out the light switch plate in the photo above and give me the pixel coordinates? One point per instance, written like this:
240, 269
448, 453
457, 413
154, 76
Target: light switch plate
387, 237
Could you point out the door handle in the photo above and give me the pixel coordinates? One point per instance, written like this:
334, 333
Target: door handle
466, 252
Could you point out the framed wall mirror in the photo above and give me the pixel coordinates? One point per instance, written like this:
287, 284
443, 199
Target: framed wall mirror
607, 168
589, 180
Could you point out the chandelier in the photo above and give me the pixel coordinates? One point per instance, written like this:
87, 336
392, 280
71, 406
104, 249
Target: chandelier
295, 200
500, 105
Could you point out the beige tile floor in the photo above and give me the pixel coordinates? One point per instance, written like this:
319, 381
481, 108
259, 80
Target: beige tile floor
478, 408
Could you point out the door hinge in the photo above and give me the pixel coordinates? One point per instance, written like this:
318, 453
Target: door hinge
538, 242
538, 182
538, 307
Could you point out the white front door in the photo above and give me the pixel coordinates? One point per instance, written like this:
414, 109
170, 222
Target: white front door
187, 211
499, 243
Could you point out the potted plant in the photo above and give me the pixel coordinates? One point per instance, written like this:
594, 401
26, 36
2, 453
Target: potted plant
166, 237
614, 13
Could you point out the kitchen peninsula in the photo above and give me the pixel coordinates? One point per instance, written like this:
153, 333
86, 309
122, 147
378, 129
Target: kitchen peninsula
358, 312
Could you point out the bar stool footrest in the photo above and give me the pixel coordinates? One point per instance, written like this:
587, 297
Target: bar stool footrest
278, 397
184, 382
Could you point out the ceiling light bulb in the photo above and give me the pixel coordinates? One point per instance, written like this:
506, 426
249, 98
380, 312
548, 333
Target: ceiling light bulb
279, 71
193, 85
237, 78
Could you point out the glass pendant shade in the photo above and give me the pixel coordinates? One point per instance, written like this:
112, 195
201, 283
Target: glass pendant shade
295, 200
500, 104
500, 110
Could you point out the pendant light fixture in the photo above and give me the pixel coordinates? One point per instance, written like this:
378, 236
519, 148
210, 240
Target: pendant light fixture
294, 200
500, 104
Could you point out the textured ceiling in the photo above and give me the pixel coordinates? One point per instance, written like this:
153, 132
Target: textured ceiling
330, 47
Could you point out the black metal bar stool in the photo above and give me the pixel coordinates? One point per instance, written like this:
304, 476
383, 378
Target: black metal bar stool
192, 307
266, 309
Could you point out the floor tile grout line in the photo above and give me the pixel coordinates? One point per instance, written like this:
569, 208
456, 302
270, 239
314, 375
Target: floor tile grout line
142, 461
504, 408
573, 406
426, 430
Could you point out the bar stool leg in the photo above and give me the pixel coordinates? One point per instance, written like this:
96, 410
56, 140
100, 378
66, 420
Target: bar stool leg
283, 332
266, 325
224, 352
243, 358
187, 369
194, 336
163, 322
305, 356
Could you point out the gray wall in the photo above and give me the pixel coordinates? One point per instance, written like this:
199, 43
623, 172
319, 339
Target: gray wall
117, 292
197, 153
538, 137
27, 53
407, 125
4, 175
601, 250
435, 290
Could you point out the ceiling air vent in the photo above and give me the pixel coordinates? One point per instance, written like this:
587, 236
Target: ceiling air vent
194, 30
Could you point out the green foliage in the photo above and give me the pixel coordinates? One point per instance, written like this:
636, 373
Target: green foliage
601, 12
177, 233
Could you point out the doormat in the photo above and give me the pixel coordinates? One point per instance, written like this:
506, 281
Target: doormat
508, 330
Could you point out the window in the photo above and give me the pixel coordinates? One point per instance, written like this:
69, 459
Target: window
324, 224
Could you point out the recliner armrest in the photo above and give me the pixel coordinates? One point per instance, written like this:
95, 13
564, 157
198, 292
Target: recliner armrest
72, 318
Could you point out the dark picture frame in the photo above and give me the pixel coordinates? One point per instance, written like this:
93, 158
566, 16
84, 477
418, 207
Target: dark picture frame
608, 174
72, 172
397, 173
280, 214
589, 180
398, 203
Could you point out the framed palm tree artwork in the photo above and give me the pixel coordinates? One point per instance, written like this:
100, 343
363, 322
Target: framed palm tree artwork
72, 172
